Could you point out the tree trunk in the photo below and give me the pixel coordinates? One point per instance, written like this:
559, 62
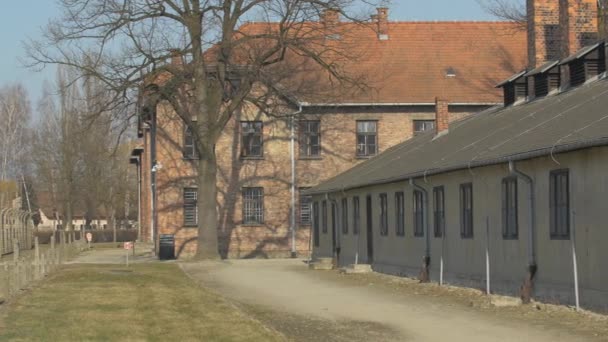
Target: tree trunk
207, 244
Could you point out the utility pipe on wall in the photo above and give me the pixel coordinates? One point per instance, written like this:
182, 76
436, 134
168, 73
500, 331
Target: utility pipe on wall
426, 261
574, 259
292, 149
526, 290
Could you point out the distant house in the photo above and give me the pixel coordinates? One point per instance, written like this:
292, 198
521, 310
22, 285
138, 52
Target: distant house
511, 190
263, 212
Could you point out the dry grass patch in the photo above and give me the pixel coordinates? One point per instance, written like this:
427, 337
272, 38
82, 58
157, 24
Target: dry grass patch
147, 302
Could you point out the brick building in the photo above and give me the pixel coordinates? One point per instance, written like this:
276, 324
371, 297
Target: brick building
259, 201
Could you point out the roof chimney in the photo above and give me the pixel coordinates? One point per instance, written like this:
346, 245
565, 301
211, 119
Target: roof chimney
579, 23
543, 32
603, 19
382, 20
442, 116
330, 16
176, 57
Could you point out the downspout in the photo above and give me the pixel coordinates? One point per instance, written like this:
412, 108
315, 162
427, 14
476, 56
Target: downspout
528, 286
139, 168
154, 169
292, 147
426, 261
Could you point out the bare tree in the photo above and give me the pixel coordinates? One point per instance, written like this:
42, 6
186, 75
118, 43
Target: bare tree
225, 62
14, 115
509, 10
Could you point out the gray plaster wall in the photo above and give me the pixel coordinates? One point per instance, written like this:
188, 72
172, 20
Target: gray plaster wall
464, 260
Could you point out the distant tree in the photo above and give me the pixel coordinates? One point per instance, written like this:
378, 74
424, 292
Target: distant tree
509, 10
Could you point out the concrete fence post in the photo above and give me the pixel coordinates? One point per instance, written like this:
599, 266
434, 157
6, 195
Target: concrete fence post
36, 259
15, 250
53, 241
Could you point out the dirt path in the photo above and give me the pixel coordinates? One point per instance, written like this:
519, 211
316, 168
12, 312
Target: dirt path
114, 256
324, 306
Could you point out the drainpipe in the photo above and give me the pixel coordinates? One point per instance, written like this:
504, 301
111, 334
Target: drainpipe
292, 148
153, 223
426, 261
528, 286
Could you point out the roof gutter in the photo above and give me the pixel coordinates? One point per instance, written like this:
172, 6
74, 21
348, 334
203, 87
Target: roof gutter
505, 159
392, 104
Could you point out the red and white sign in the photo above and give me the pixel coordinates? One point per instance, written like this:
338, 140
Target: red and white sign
128, 245
89, 237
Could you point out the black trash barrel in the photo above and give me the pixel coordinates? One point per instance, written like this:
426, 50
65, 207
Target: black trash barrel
166, 247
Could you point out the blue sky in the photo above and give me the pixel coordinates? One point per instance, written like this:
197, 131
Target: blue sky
20, 19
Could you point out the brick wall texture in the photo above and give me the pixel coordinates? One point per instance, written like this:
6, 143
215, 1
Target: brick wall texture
272, 173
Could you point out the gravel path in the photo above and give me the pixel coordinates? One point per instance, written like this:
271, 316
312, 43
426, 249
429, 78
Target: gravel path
325, 306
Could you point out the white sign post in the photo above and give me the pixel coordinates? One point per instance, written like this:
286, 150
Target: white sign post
128, 246
89, 238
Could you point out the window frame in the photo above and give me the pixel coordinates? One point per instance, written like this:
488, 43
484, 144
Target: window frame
324, 227
418, 213
305, 137
466, 232
316, 224
186, 153
303, 210
399, 213
190, 204
510, 210
439, 215
554, 232
424, 122
344, 216
366, 153
356, 215
248, 136
257, 205
383, 214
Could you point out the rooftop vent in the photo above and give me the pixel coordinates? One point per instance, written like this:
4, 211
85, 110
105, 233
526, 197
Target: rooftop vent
587, 63
515, 88
546, 78
450, 72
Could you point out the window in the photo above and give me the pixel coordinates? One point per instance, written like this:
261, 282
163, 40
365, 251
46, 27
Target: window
423, 125
356, 216
344, 216
559, 197
466, 211
315, 213
399, 214
367, 144
251, 139
383, 215
305, 208
509, 208
324, 213
438, 211
310, 139
253, 205
190, 207
189, 150
418, 213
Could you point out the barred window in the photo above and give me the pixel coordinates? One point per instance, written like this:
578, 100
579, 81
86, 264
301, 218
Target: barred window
438, 211
367, 142
509, 208
310, 138
423, 125
356, 216
189, 150
399, 214
190, 207
315, 213
305, 209
344, 216
466, 211
253, 205
419, 213
324, 214
559, 197
251, 139
383, 215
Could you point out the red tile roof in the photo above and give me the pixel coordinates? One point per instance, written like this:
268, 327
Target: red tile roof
411, 66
